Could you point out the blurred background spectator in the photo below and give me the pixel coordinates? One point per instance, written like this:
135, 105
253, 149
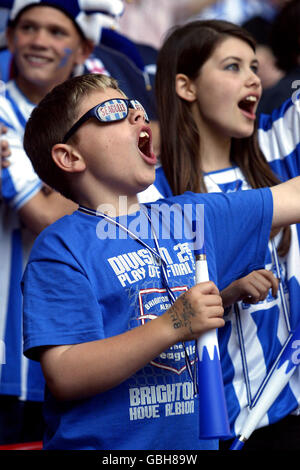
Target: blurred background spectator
285, 45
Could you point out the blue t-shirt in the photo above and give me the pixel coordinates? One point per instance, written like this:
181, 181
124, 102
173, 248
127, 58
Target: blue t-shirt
86, 281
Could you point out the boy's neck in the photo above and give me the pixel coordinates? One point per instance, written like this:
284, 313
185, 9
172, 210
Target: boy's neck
106, 195
121, 205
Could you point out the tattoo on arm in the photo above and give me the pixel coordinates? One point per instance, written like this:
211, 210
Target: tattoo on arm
181, 318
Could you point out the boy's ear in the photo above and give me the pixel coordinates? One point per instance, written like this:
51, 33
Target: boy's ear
185, 87
68, 159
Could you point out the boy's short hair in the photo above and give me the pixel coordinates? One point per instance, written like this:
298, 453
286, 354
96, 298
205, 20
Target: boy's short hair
50, 121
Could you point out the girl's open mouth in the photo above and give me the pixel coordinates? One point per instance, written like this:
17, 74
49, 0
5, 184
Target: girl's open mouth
248, 106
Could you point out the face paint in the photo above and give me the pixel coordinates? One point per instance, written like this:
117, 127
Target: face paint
65, 58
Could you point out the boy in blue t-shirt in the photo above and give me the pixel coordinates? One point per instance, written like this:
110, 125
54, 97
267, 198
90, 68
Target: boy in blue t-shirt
97, 279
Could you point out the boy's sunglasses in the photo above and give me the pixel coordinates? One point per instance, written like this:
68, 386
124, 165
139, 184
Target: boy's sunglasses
113, 110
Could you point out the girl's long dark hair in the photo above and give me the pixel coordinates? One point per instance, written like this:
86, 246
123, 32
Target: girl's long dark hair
184, 51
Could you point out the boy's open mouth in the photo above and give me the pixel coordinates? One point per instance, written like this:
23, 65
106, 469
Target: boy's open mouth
144, 143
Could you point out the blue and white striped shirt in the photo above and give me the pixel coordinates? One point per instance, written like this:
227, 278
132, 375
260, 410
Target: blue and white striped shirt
18, 376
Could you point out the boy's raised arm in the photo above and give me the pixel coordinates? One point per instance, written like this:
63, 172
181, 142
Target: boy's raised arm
86, 369
286, 203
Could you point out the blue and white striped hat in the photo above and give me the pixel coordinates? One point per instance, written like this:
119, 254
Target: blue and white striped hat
89, 15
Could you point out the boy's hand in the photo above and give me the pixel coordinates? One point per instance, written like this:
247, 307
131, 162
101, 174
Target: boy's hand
251, 289
75, 371
196, 311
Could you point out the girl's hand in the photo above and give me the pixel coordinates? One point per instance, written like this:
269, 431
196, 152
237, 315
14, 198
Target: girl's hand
251, 289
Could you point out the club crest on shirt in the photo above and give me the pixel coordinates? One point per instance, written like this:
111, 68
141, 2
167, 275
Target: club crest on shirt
231, 187
152, 303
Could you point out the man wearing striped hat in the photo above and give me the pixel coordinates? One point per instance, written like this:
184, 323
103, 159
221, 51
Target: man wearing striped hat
48, 41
